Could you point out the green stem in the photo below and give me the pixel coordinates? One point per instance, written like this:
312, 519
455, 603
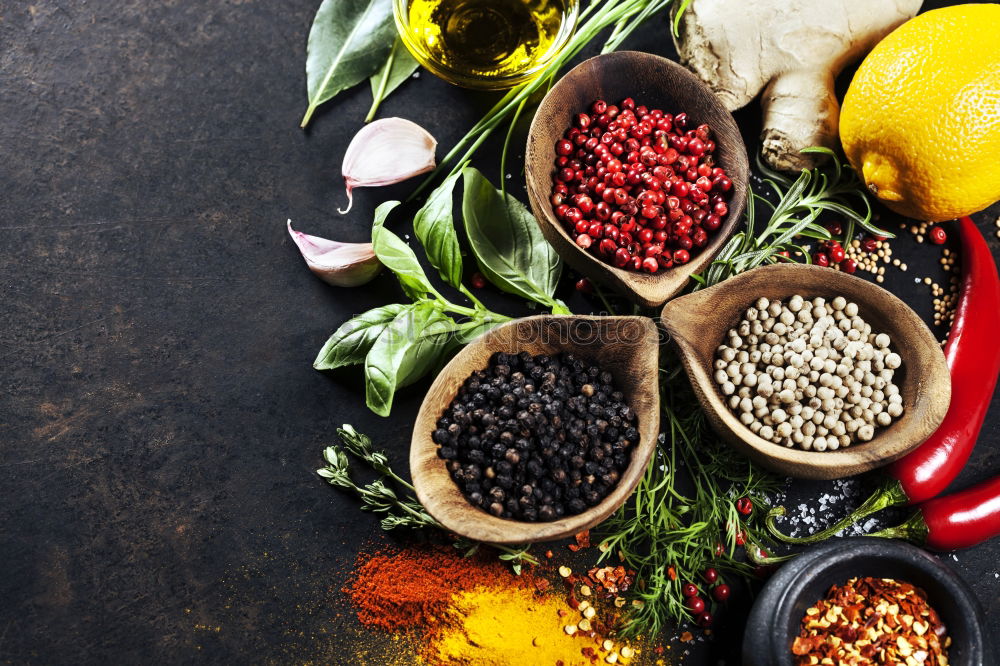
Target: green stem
506, 145
468, 294
890, 493
753, 554
377, 97
914, 529
521, 553
421, 515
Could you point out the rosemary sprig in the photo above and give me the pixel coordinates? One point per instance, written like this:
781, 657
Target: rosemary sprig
379, 496
800, 203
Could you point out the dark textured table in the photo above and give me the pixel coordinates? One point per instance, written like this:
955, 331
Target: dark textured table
159, 418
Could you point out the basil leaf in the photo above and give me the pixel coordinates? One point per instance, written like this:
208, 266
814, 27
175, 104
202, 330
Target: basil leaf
348, 41
350, 343
397, 255
433, 342
434, 225
507, 242
397, 68
405, 349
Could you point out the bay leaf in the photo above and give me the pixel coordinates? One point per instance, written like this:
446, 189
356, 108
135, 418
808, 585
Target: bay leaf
348, 42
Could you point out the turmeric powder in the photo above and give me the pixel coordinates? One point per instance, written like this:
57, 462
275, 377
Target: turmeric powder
493, 626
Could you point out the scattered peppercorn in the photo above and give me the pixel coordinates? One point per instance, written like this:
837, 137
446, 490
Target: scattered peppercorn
478, 281
637, 188
744, 505
536, 438
938, 236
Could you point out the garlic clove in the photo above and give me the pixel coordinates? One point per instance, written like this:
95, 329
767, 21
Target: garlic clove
385, 152
339, 264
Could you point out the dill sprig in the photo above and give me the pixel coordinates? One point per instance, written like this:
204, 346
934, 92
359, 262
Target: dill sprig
682, 518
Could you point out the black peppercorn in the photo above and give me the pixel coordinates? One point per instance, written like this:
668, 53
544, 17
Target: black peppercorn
537, 437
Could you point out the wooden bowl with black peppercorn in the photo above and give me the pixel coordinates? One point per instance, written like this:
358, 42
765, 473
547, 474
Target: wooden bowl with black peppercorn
625, 347
655, 82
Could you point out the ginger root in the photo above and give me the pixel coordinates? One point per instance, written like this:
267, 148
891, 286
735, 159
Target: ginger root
792, 51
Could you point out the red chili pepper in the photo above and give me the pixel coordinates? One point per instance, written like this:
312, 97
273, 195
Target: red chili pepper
974, 360
959, 520
973, 357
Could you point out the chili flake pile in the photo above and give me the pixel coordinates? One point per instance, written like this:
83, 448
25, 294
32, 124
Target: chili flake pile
872, 621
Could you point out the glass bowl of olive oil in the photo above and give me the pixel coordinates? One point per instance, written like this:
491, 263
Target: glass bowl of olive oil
487, 44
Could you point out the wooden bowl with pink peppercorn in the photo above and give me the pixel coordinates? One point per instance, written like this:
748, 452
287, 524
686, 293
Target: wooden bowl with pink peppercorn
686, 240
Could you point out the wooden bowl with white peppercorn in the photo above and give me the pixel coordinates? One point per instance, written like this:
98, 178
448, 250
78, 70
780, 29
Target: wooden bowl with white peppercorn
698, 324
627, 347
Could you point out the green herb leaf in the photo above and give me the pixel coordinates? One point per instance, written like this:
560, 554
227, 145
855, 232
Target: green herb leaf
351, 342
434, 341
348, 41
397, 255
509, 246
403, 352
471, 330
397, 68
434, 225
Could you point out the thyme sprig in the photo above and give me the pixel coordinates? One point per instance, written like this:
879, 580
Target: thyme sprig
379, 496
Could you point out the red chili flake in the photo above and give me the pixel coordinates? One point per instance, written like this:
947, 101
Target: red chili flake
583, 539
687, 637
541, 584
671, 573
573, 547
869, 617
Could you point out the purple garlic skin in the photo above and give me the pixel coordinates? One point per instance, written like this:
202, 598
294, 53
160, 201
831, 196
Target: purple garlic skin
336, 263
386, 152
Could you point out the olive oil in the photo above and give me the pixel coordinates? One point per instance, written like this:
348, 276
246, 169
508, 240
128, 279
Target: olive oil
470, 41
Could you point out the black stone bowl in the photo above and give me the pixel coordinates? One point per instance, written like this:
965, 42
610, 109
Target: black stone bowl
775, 619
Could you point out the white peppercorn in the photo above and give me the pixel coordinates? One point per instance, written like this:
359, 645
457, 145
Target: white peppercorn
809, 373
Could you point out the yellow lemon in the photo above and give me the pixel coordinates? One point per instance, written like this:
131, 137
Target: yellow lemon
921, 119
